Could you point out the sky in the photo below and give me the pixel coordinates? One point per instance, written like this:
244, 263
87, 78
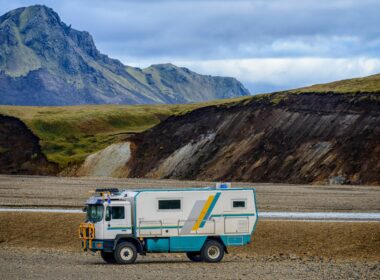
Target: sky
268, 45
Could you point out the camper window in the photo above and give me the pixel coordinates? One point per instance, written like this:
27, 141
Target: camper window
238, 204
117, 212
169, 204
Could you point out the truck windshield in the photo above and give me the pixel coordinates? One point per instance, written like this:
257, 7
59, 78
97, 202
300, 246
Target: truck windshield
95, 213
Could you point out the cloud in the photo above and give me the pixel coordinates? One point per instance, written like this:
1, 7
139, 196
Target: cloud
271, 33
225, 29
270, 74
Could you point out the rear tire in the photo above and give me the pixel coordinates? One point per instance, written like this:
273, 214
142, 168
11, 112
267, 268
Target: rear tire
108, 257
125, 253
194, 256
212, 251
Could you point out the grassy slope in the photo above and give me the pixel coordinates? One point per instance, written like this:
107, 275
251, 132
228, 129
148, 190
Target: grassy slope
366, 84
70, 133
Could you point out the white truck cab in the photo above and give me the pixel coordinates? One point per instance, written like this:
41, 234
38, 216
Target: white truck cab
201, 222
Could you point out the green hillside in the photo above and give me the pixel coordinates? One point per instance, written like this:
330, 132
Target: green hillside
357, 85
70, 133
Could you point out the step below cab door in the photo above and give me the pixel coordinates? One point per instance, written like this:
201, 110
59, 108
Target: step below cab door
118, 220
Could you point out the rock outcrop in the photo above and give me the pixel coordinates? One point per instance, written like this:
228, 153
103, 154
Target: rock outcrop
20, 152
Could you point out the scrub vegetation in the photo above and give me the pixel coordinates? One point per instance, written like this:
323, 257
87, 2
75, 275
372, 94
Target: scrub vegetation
370, 84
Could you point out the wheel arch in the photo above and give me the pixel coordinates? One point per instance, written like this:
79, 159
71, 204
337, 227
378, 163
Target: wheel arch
219, 239
128, 238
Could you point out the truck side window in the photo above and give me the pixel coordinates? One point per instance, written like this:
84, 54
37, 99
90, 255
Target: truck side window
108, 213
118, 212
169, 204
238, 203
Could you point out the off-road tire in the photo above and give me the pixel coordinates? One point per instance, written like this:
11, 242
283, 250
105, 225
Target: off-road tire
194, 256
125, 253
212, 251
108, 257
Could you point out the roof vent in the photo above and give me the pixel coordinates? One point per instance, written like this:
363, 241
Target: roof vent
223, 185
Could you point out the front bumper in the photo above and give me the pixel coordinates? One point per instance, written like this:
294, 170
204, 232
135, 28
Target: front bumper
98, 245
86, 234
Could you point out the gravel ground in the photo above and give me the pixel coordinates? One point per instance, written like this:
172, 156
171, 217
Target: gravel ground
66, 192
277, 258
358, 241
32, 264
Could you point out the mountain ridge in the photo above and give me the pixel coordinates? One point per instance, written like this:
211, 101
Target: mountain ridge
43, 61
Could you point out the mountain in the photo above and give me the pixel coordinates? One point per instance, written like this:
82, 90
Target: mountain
45, 62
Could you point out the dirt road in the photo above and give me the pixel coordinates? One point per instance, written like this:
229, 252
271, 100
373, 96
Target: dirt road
36, 191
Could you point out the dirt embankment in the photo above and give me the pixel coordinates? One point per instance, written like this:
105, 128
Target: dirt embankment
306, 138
108, 162
340, 241
20, 152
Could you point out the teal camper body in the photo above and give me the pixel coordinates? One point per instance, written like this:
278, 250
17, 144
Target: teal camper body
201, 222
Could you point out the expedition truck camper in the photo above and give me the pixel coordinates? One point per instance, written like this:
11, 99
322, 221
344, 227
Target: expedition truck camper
201, 222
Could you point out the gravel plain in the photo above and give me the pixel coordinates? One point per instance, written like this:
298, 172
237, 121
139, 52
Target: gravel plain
72, 192
39, 264
280, 249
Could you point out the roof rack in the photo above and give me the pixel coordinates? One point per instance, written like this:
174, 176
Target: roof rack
109, 190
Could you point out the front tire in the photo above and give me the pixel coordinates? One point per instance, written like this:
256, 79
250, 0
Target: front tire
194, 256
125, 253
212, 251
108, 257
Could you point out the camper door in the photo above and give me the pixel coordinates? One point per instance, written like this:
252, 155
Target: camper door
117, 220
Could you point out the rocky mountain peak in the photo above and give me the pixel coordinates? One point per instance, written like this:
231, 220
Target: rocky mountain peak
41, 29
44, 61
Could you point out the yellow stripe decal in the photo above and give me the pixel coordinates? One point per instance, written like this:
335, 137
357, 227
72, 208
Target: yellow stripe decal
203, 212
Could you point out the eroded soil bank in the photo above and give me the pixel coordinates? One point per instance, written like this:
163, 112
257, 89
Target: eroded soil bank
306, 138
319, 138
20, 151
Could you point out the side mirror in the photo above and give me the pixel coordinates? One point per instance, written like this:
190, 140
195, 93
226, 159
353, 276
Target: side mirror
84, 209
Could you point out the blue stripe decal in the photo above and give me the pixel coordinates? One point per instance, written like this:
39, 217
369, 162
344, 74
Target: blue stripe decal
217, 195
